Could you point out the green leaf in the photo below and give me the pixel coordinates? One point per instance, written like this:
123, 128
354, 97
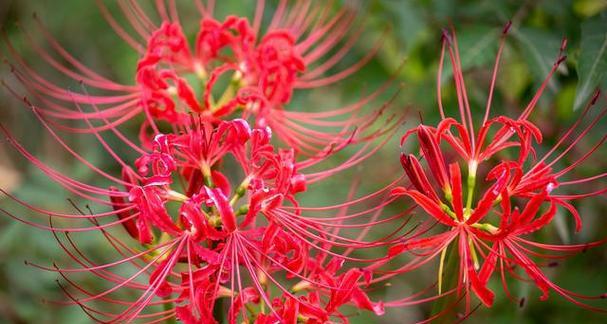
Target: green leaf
513, 77
408, 19
592, 63
564, 101
589, 8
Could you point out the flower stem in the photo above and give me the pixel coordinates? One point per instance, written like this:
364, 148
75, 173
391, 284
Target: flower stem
470, 183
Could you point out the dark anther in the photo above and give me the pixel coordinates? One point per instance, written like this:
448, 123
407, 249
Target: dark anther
597, 93
507, 27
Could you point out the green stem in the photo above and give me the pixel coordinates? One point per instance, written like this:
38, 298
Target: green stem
240, 191
470, 183
235, 84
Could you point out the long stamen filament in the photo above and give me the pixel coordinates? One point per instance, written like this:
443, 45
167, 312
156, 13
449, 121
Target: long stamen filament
441, 267
473, 254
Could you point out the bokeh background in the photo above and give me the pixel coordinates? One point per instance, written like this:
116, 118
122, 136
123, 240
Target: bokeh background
410, 36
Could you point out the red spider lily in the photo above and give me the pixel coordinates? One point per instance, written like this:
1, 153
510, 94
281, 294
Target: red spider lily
318, 304
262, 70
202, 234
207, 219
519, 192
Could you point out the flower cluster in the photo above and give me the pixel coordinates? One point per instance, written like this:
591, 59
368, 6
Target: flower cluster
233, 69
196, 255
202, 213
507, 193
208, 214
263, 73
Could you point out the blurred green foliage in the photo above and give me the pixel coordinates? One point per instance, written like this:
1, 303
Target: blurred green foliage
410, 34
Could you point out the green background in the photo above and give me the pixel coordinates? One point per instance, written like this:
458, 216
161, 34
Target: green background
409, 32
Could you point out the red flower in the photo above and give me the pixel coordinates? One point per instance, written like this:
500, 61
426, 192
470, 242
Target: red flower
518, 191
174, 79
213, 216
